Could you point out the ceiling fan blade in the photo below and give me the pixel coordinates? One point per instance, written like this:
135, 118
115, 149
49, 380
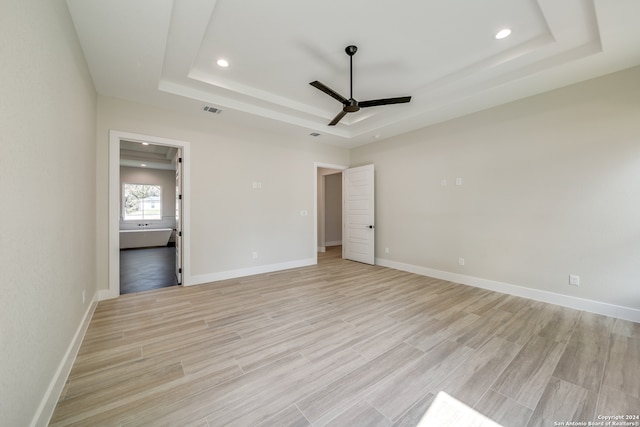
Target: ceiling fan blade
385, 101
337, 118
329, 91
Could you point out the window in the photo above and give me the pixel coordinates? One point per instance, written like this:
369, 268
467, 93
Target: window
142, 201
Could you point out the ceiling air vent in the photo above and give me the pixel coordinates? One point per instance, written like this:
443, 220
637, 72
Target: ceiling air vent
314, 134
212, 110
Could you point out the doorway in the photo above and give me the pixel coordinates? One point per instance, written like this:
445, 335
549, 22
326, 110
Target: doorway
177, 186
328, 210
149, 216
357, 210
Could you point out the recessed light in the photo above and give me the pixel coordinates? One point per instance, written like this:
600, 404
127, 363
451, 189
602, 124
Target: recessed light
145, 143
143, 165
504, 33
222, 63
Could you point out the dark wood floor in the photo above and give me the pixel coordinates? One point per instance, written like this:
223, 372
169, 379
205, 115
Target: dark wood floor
147, 268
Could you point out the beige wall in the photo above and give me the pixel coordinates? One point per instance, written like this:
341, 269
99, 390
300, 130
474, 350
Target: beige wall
230, 219
550, 187
47, 182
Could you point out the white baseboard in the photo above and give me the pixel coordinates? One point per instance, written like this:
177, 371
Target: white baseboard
322, 249
333, 243
250, 271
105, 294
51, 397
620, 312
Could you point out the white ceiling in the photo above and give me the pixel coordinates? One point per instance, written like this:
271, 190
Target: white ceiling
442, 53
136, 154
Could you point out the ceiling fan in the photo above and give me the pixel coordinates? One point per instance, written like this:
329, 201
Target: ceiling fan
351, 105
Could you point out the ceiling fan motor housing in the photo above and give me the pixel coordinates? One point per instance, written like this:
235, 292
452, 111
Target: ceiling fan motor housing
352, 106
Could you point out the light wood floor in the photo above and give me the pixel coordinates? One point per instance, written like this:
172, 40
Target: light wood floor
345, 344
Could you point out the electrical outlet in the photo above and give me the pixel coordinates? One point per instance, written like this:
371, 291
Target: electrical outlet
386, 250
574, 280
443, 182
458, 181
254, 255
460, 261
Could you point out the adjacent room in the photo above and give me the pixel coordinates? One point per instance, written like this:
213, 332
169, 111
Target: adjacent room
290, 213
149, 216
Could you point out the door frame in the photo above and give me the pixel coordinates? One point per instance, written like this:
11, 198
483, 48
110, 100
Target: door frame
179, 212
316, 166
115, 137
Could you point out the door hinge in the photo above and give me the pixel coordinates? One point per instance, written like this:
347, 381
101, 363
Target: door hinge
179, 233
179, 159
180, 270
179, 196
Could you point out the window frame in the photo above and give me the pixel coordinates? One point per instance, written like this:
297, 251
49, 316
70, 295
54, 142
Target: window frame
123, 203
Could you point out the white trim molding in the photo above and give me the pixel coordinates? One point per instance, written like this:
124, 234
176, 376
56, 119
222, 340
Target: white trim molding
244, 272
54, 391
620, 312
114, 206
316, 216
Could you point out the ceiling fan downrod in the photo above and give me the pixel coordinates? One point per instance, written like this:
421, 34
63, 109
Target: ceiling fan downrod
351, 50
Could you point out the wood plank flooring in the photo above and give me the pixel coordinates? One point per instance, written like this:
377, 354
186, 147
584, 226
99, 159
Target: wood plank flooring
345, 344
144, 269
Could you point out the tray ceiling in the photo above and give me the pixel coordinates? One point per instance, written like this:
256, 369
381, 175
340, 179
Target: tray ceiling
443, 54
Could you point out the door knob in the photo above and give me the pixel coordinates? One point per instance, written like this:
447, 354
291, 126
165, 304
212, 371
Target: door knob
370, 226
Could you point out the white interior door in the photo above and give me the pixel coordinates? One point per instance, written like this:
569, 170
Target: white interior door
359, 225
178, 163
